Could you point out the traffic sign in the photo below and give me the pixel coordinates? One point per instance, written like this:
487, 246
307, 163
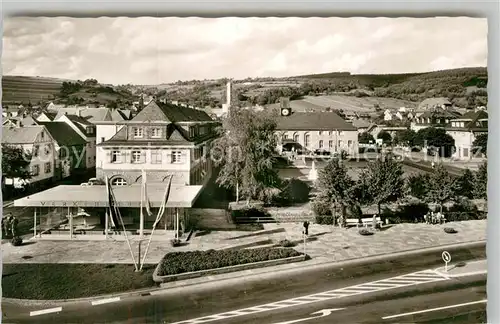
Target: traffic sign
446, 258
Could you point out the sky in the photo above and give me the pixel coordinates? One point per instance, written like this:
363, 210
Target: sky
160, 50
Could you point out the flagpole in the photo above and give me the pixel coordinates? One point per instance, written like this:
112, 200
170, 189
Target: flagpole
141, 225
158, 217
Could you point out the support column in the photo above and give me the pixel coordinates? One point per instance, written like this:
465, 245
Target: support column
70, 224
34, 228
106, 224
177, 223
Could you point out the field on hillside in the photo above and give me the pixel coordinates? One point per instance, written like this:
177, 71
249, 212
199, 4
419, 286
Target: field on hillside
362, 104
24, 89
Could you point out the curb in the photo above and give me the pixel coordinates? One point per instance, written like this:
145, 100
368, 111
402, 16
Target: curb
210, 279
466, 274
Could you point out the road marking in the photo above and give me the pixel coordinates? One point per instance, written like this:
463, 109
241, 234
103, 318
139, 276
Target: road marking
419, 277
322, 313
105, 301
46, 311
435, 309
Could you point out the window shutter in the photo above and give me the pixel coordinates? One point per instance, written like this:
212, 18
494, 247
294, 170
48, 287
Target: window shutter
108, 155
184, 157
169, 156
143, 156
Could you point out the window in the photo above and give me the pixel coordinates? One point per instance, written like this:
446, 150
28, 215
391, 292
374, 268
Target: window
465, 152
36, 148
35, 170
330, 133
156, 132
340, 144
116, 156
156, 156
47, 167
285, 136
320, 144
176, 156
90, 130
62, 154
137, 132
103, 139
42, 135
47, 149
306, 140
349, 143
320, 133
330, 144
118, 182
296, 138
136, 157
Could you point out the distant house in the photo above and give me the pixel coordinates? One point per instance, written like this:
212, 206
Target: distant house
315, 131
350, 115
464, 131
91, 114
69, 148
361, 125
19, 121
46, 116
87, 131
436, 117
40, 144
10, 111
389, 115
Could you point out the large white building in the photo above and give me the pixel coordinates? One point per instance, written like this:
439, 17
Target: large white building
464, 131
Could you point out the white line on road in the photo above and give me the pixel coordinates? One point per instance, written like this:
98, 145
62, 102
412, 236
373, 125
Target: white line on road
436, 309
46, 311
105, 301
428, 276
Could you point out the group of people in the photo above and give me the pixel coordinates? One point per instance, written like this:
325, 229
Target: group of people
9, 225
434, 218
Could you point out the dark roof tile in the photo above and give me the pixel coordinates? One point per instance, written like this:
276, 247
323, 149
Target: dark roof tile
313, 121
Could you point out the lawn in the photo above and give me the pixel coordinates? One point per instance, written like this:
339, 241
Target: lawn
64, 281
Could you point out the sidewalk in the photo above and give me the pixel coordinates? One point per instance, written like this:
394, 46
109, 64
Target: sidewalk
463, 269
325, 242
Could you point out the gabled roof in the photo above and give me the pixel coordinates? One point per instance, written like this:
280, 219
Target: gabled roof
91, 114
20, 135
471, 118
439, 113
81, 123
175, 135
473, 115
360, 123
50, 115
157, 111
63, 134
313, 121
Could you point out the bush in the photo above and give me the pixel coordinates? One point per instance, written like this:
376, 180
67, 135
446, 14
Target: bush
450, 230
181, 262
249, 212
365, 231
17, 241
295, 191
462, 210
411, 213
322, 212
287, 243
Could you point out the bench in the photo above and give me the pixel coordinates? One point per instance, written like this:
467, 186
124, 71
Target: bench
351, 222
369, 221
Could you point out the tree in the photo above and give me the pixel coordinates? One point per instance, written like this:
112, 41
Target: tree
435, 139
365, 138
334, 186
440, 188
246, 148
480, 190
480, 144
385, 137
464, 185
385, 181
405, 137
15, 162
417, 185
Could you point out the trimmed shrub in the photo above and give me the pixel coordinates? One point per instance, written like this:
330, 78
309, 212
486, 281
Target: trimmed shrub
17, 241
365, 232
249, 212
450, 230
175, 242
181, 262
411, 213
294, 191
287, 243
322, 212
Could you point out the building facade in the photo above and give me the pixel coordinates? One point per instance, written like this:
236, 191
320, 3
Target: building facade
164, 140
37, 141
310, 132
464, 131
436, 117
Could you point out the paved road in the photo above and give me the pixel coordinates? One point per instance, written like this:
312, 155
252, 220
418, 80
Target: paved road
326, 284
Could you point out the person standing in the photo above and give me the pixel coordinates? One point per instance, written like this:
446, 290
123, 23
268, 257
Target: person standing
306, 228
6, 224
14, 224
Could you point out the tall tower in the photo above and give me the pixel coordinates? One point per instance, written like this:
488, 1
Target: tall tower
227, 105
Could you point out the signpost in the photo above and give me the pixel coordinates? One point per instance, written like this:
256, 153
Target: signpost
446, 258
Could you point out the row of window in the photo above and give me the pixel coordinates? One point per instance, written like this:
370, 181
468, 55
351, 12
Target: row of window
36, 149
330, 144
138, 156
35, 169
157, 132
320, 133
433, 120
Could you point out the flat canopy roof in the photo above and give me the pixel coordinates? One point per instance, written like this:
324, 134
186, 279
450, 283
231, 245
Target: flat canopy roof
95, 196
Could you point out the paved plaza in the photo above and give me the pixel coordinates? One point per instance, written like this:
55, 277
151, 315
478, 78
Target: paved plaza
325, 243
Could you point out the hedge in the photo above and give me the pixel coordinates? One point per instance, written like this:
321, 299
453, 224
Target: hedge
181, 262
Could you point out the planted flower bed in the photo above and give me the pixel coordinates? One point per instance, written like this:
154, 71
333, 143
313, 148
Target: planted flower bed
182, 262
